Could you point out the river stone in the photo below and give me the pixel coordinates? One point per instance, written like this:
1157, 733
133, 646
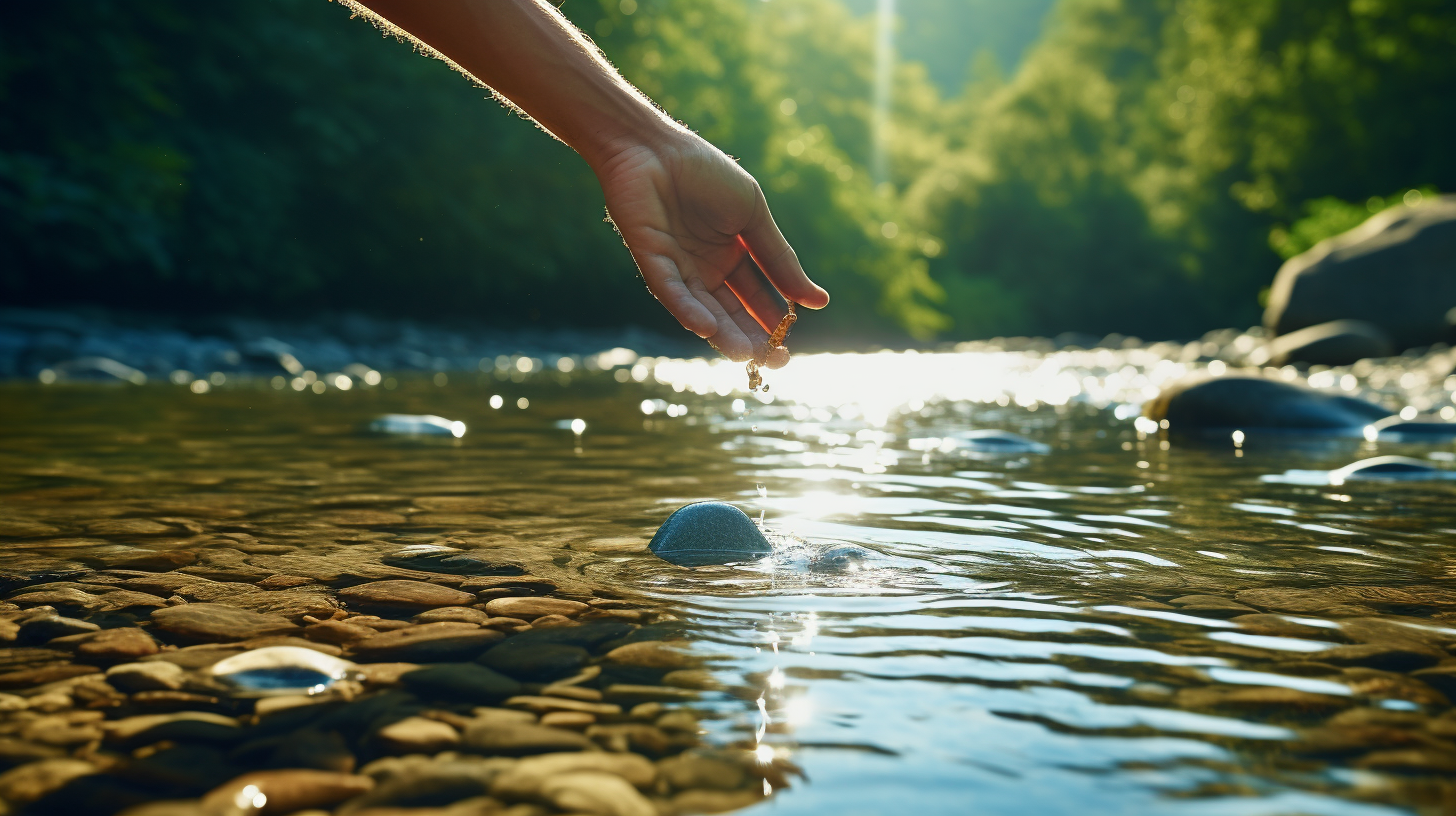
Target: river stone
416, 782
155, 675
460, 614
463, 682
1336, 343
452, 562
524, 780
535, 661
689, 771
530, 608
115, 645
47, 627
426, 643
1393, 271
1395, 429
288, 791
521, 739
216, 622
403, 596
27, 678
705, 533
653, 654
1387, 657
1225, 404
417, 735
1440, 678
30, 782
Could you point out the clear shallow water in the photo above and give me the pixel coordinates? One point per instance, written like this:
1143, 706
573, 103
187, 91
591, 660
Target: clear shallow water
1041, 633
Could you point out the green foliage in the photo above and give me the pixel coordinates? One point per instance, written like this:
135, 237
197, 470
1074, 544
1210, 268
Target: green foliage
1329, 216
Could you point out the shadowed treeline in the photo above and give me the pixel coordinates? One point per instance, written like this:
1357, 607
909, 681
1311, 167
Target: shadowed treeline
1130, 175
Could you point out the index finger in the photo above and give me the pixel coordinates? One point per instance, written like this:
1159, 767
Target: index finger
776, 258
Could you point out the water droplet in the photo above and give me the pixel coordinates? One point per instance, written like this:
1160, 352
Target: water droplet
762, 492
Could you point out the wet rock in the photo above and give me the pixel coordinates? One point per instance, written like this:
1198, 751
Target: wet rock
1279, 626
524, 779
705, 533
1211, 606
280, 670
1336, 343
1440, 678
1391, 468
410, 596
462, 682
1423, 761
840, 560
1393, 271
689, 771
521, 739
46, 627
30, 782
417, 735
535, 661
287, 791
426, 643
1225, 404
1338, 741
339, 633
1305, 601
1396, 429
452, 562
530, 608
67, 598
459, 614
639, 737
542, 705
116, 645
216, 622
692, 679
27, 678
573, 720
1399, 658
153, 676
629, 693
417, 425
595, 793
713, 801
1391, 685
416, 782
654, 654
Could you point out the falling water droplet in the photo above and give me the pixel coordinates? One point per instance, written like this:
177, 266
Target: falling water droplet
762, 492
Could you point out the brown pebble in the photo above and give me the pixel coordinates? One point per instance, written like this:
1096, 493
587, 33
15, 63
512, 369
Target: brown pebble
216, 622
117, 645
530, 608
417, 735
288, 791
338, 632
27, 678
574, 720
462, 614
553, 622
545, 704
284, 582
27, 783
403, 595
653, 654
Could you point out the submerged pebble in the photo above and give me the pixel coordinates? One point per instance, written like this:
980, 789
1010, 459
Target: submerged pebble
281, 670
417, 425
705, 533
1388, 467
991, 440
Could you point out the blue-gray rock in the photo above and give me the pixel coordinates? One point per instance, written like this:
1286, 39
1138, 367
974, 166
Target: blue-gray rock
1389, 467
1336, 343
103, 369
709, 532
991, 440
839, 559
1231, 403
1395, 429
417, 425
1394, 271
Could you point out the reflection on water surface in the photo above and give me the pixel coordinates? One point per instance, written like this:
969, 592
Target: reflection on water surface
1122, 624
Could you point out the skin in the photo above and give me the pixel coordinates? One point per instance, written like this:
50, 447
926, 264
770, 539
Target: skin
695, 222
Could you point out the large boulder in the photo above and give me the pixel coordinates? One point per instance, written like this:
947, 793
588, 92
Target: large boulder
1397, 270
1337, 343
1203, 404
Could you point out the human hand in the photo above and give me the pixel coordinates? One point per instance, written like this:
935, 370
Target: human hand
700, 231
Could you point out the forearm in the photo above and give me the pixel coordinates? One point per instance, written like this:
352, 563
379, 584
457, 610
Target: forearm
528, 53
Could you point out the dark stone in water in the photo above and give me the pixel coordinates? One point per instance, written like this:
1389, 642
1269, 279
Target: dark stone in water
535, 662
1402, 430
709, 532
1258, 404
1389, 467
452, 563
461, 682
991, 440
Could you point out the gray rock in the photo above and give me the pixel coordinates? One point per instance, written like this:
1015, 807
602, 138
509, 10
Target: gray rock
706, 533
535, 661
1223, 404
215, 622
1394, 271
460, 682
1336, 343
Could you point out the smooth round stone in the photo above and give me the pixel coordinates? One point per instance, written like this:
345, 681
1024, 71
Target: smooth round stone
463, 682
216, 622
1413, 430
42, 629
403, 595
705, 533
1388, 467
450, 562
535, 662
280, 670
530, 607
1225, 404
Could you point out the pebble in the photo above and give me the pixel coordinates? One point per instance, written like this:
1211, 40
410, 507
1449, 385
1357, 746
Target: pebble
463, 682
30, 782
29, 678
713, 801
542, 705
537, 662
525, 779
452, 562
492, 736
706, 533
688, 771
215, 622
341, 633
418, 782
114, 645
595, 793
1271, 699
417, 735
530, 608
653, 654
460, 614
692, 679
426, 643
574, 720
403, 596
288, 791
152, 676
1400, 658
48, 627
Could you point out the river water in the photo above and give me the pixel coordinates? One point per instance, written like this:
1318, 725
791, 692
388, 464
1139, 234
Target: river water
1062, 630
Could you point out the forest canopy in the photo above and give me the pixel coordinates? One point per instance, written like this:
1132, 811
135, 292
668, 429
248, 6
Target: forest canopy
1141, 169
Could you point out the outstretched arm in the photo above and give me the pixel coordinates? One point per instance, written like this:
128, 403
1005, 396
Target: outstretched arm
696, 223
